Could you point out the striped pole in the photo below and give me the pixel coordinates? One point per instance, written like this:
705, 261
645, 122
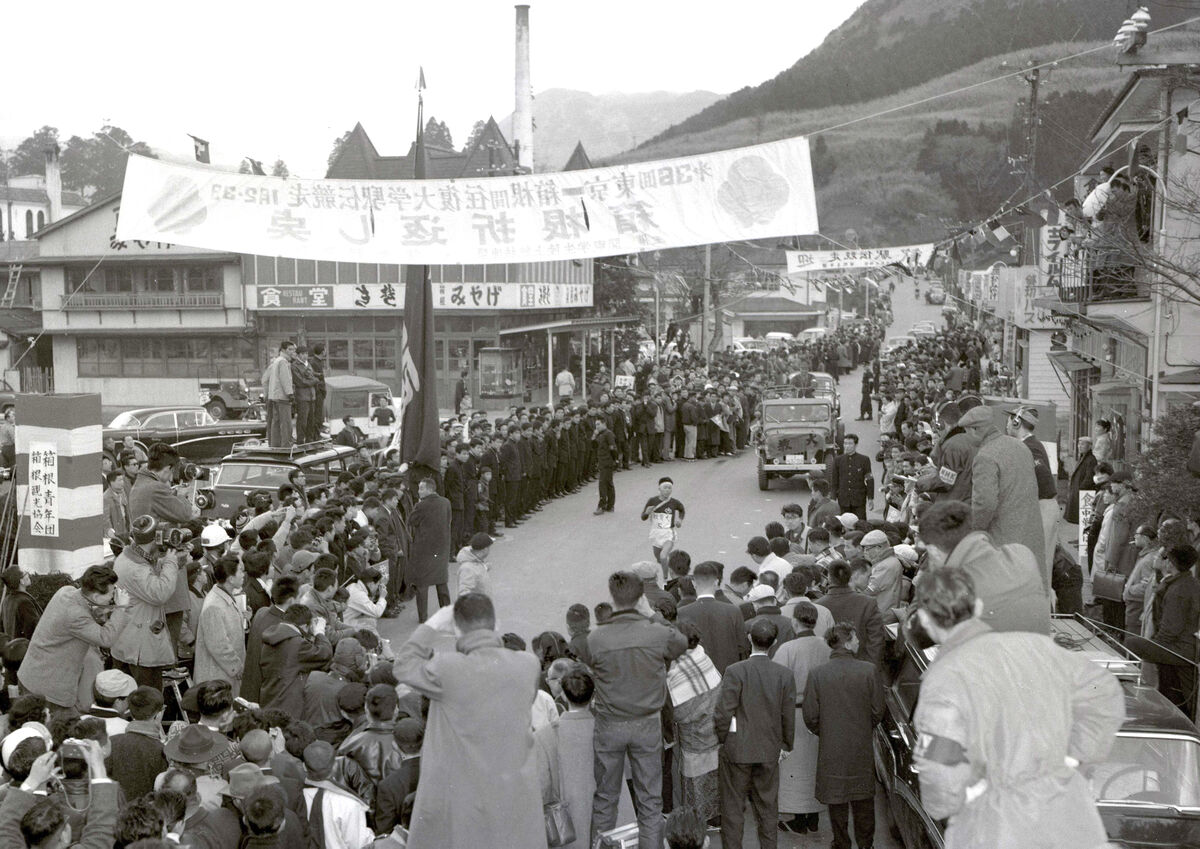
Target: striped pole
59, 492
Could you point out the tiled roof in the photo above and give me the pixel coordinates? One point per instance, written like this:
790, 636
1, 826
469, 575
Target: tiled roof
19, 194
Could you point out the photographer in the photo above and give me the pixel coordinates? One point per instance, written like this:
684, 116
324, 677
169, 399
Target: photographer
147, 571
28, 818
75, 623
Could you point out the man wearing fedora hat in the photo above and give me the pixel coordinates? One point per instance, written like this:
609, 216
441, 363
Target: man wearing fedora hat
193, 750
1022, 421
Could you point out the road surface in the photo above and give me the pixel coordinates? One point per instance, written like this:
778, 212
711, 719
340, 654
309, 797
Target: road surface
564, 554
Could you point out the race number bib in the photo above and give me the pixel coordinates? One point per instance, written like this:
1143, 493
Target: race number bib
663, 521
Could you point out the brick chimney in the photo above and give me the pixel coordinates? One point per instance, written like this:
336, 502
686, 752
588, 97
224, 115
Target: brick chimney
523, 113
54, 184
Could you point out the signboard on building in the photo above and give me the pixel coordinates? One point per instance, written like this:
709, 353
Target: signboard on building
446, 296
754, 192
1028, 285
1087, 504
43, 489
910, 256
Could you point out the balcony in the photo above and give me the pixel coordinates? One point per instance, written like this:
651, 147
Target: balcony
143, 300
1082, 277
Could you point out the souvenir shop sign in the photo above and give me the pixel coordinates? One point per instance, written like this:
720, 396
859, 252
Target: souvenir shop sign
910, 256
446, 296
748, 193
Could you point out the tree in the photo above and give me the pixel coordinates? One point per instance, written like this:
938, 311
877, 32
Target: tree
614, 290
476, 132
437, 134
30, 155
244, 167
338, 144
1164, 486
823, 163
96, 165
280, 169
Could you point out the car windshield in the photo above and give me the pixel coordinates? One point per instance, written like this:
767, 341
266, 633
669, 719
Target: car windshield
252, 475
807, 413
1154, 769
824, 384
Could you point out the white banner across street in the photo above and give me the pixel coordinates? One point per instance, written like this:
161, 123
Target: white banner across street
911, 256
748, 193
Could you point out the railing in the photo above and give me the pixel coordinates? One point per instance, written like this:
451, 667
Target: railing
1084, 277
143, 300
34, 379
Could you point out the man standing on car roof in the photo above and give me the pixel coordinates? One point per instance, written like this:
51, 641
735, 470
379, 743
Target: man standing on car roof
1006, 725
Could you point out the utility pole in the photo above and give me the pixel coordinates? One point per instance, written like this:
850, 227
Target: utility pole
707, 300
1033, 78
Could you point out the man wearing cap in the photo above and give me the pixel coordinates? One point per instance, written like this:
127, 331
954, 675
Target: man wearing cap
950, 479
1022, 421
887, 574
392, 792
766, 607
1004, 492
473, 567
111, 688
755, 721
147, 572
1115, 552
192, 750
214, 540
478, 728
850, 480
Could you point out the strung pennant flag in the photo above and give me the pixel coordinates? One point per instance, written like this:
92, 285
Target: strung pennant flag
201, 148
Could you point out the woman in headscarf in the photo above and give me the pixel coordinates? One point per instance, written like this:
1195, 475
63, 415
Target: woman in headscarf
694, 685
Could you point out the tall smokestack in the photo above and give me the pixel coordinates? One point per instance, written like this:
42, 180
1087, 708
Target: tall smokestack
523, 113
54, 183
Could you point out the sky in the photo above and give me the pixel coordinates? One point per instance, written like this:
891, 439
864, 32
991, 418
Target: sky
284, 80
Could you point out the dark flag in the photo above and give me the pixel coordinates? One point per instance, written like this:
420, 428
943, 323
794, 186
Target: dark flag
256, 167
201, 148
420, 440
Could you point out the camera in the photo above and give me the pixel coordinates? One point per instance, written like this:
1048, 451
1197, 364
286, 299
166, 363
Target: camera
177, 538
188, 472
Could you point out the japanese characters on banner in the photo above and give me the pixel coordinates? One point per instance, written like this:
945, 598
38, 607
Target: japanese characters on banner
911, 256
43, 489
747, 193
446, 296
1087, 505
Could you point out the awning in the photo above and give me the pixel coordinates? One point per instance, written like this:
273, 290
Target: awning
1068, 361
20, 322
567, 325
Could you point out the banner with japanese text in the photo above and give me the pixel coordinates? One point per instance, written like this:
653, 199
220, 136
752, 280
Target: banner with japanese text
446, 296
911, 256
748, 193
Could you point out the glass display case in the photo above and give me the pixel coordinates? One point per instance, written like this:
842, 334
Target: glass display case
500, 373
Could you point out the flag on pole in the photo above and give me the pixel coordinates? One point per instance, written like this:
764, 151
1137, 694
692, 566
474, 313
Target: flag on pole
421, 79
955, 254
256, 167
201, 147
932, 256
420, 443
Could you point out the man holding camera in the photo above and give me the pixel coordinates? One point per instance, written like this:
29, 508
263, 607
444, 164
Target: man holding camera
147, 571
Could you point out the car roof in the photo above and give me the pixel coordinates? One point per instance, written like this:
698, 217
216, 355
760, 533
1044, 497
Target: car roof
145, 411
284, 456
1149, 711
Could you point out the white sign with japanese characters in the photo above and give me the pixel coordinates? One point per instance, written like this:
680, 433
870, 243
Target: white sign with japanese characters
910, 256
43, 489
747, 193
446, 296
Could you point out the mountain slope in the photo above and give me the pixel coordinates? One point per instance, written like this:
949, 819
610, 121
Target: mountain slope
888, 46
605, 123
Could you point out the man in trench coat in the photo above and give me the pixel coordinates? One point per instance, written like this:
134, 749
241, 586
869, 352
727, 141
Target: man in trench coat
429, 557
478, 737
842, 704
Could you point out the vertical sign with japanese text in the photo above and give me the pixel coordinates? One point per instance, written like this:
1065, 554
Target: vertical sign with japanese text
43, 489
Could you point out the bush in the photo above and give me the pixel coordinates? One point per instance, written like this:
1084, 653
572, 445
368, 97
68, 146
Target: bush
1160, 472
43, 587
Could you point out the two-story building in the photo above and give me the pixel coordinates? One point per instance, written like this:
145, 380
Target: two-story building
1130, 351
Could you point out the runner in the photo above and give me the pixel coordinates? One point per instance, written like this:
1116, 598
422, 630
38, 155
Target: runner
668, 518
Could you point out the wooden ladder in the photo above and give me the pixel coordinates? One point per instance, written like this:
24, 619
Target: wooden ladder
10, 291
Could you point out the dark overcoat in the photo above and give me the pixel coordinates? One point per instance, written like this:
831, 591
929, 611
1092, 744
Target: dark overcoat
843, 702
429, 557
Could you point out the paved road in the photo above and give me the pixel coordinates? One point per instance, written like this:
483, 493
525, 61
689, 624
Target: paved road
564, 554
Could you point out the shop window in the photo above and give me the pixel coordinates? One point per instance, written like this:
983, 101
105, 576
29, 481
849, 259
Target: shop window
109, 361
326, 273
347, 272
391, 273
160, 279
460, 355
306, 272
202, 278
495, 274
87, 352
177, 357
134, 363
364, 355
117, 279
385, 354
339, 355
473, 273
264, 271
285, 269
452, 274
368, 272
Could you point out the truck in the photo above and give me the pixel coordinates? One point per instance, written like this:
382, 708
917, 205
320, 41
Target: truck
799, 436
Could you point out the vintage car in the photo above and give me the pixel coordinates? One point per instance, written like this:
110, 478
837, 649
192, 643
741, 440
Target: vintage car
196, 435
1147, 790
821, 384
253, 467
799, 435
233, 399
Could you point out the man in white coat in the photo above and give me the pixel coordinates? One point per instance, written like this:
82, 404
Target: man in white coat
221, 633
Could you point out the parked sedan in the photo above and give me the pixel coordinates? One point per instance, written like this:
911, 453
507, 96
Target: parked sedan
196, 435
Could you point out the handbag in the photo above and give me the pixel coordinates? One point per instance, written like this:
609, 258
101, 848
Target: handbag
1108, 586
560, 830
